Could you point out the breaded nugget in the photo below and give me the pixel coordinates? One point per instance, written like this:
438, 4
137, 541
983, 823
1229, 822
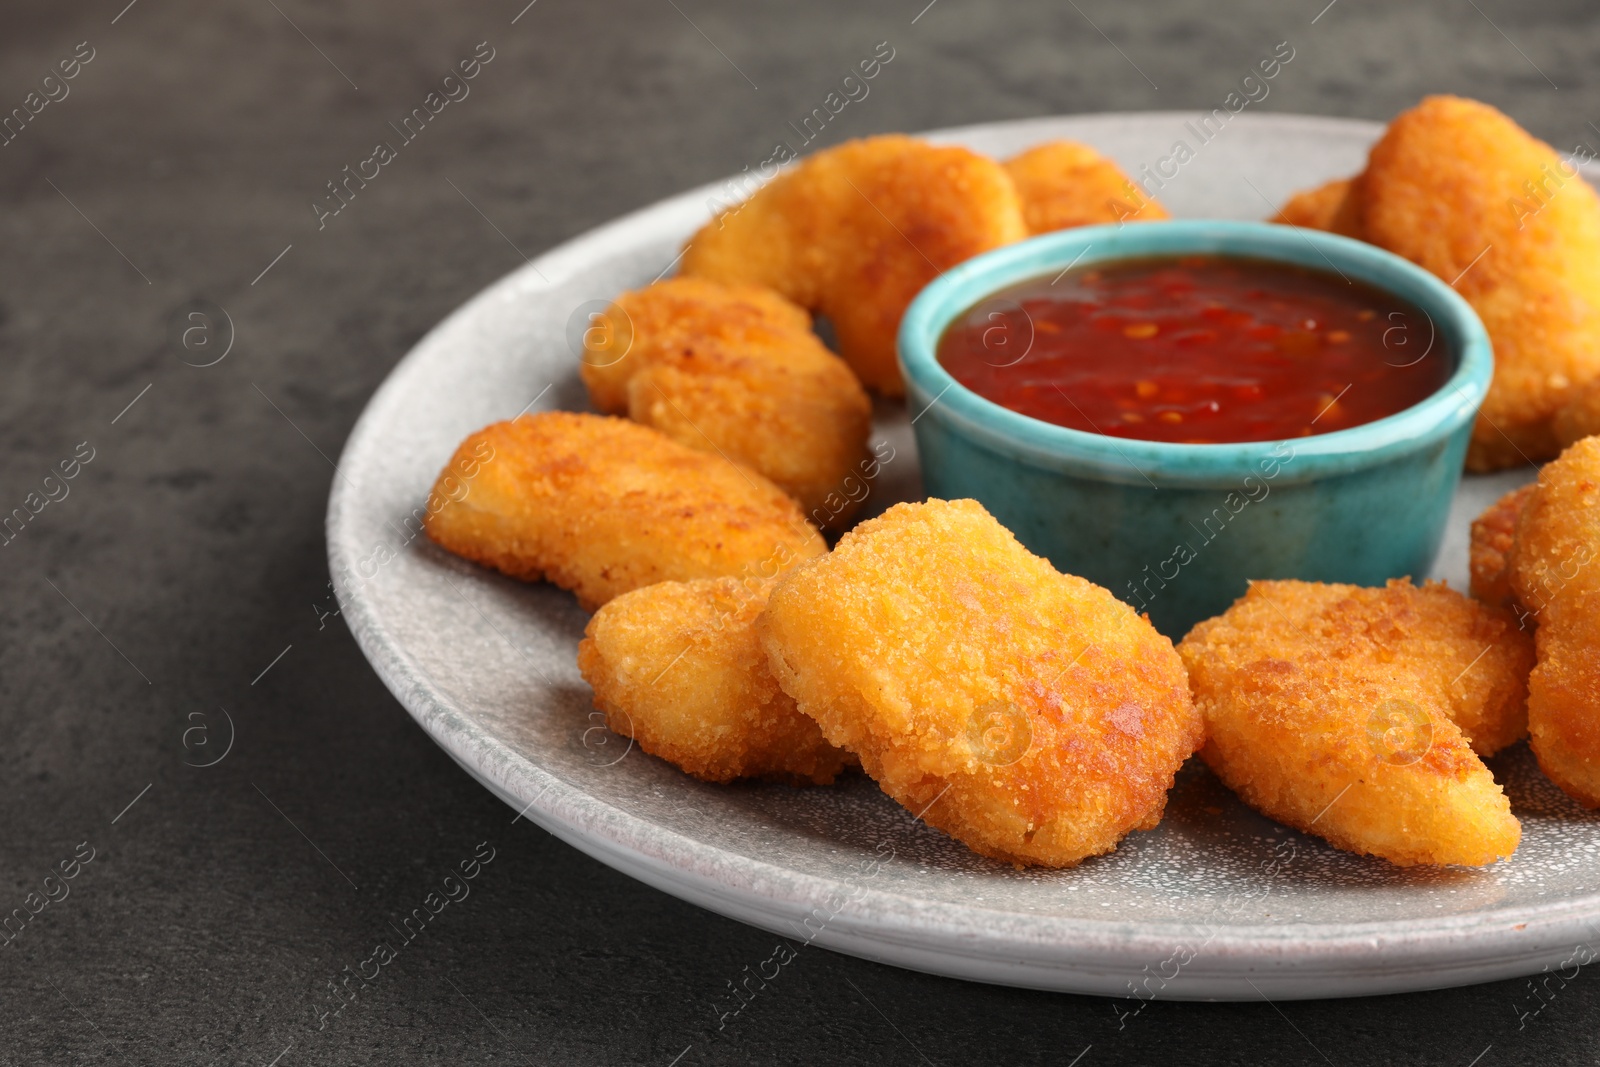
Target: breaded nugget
602, 506
733, 369
1490, 556
1029, 714
1460, 189
1472, 657
1333, 709
1327, 207
1064, 184
1555, 571
1314, 208
677, 667
682, 321
856, 231
1579, 416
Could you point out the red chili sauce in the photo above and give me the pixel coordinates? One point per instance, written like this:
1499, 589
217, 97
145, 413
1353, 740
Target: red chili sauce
1201, 349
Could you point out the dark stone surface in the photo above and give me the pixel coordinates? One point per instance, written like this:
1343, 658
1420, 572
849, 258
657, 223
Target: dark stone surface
189, 553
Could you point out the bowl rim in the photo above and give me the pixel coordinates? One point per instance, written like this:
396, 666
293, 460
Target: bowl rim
933, 389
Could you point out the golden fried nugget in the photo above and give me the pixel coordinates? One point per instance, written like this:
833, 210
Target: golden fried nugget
1064, 184
1473, 657
1327, 207
677, 667
601, 506
1029, 714
1333, 709
1314, 208
681, 321
1460, 189
1493, 533
856, 231
1579, 416
734, 369
1555, 571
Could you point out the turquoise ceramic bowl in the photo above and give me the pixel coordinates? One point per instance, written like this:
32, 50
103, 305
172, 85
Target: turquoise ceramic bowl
1177, 530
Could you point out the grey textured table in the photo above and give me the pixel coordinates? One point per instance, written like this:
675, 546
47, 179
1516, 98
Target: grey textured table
179, 587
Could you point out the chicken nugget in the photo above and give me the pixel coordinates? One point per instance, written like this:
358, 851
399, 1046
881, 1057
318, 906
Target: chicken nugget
1460, 189
1555, 571
1064, 184
677, 667
856, 231
682, 321
1029, 714
602, 506
1489, 557
1327, 207
1579, 416
734, 369
1472, 657
1314, 209
1332, 709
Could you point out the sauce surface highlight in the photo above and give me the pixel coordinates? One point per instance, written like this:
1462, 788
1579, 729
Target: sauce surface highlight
1202, 349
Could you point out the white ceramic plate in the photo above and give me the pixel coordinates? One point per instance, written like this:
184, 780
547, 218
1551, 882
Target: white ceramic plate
1215, 903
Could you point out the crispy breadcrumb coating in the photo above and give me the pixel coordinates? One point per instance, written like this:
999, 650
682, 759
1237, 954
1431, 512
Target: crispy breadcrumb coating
1335, 709
677, 667
1579, 416
681, 320
854, 232
736, 370
1555, 571
1327, 207
602, 506
1027, 713
1472, 657
1460, 189
1064, 184
1489, 558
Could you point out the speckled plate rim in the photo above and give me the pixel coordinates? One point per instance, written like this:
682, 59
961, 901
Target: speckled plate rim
1299, 960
